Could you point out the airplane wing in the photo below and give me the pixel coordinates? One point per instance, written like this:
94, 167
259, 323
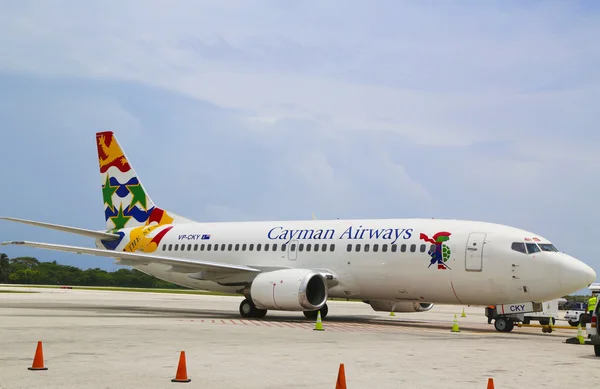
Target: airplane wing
134, 259
73, 230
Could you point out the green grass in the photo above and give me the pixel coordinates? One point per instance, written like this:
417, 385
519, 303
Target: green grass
123, 289
16, 291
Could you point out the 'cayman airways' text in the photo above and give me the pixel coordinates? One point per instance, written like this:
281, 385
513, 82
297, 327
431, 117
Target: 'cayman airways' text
392, 234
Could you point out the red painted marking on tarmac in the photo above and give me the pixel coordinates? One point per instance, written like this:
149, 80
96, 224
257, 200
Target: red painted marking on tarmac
244, 321
202, 321
233, 322
213, 321
286, 324
222, 321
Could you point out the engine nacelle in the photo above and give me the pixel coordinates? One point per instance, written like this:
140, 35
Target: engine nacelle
289, 290
397, 306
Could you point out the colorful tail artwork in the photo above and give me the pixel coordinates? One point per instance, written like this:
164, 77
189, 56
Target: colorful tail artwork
126, 202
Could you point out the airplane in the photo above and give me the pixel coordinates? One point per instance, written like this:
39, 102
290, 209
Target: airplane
394, 265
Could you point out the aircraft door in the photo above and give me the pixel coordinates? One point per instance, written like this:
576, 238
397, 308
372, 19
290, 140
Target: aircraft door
474, 252
292, 249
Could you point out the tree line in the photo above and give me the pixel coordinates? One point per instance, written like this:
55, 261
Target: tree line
29, 270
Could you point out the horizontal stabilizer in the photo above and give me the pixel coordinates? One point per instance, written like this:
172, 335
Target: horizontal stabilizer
73, 230
142, 259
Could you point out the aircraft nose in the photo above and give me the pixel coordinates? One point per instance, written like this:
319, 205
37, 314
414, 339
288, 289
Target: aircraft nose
576, 275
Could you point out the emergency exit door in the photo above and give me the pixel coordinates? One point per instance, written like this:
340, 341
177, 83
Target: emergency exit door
474, 252
292, 250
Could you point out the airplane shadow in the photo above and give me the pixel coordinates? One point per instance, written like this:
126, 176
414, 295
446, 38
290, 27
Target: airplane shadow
346, 321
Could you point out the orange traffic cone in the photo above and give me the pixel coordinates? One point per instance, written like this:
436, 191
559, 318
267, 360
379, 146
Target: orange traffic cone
181, 370
38, 359
341, 378
490, 383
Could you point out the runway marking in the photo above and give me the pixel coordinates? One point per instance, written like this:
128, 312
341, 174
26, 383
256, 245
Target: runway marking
377, 326
336, 326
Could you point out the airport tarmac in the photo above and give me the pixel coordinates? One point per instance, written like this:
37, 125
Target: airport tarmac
107, 339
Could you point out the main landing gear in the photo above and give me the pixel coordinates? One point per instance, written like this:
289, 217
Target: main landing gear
313, 314
248, 309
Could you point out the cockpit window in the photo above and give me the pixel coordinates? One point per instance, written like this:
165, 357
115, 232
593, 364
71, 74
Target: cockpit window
519, 246
548, 247
532, 248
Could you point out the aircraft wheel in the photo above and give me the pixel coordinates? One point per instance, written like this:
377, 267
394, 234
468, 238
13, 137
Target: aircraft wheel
259, 313
248, 309
312, 315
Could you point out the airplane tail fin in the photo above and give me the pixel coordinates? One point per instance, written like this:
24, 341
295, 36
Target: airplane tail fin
126, 201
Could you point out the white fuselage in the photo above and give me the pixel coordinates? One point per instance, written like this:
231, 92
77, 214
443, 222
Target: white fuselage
382, 259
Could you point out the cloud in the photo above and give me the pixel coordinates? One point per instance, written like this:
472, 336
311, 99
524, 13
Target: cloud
268, 110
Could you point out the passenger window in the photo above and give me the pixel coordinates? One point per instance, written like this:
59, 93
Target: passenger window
223, 247
332, 247
230, 247
283, 246
324, 247
357, 249
202, 247
366, 247
244, 247
301, 247
394, 247
432, 248
208, 247
532, 248
384, 248
251, 248
375, 247
349, 247
170, 247
258, 247
423, 248
413, 248
237, 247
266, 247
293, 247
176, 247
164, 247
316, 247
519, 246
196, 247
403, 248
190, 247
308, 246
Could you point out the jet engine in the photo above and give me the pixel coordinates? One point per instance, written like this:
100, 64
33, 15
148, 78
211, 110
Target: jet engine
289, 290
404, 306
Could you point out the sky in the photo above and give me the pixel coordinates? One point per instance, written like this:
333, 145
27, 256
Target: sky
272, 110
